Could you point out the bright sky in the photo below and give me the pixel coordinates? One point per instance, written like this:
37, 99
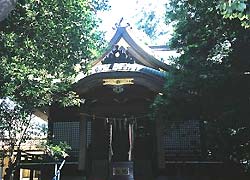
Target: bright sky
128, 9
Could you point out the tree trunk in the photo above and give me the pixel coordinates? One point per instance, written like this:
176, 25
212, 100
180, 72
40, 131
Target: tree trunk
8, 172
12, 166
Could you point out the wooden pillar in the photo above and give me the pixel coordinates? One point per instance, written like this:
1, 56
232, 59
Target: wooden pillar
99, 139
83, 145
31, 174
16, 175
99, 148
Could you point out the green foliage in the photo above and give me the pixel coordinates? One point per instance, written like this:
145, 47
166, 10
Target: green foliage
15, 128
210, 79
42, 46
14, 120
41, 42
57, 151
100, 5
150, 20
149, 24
236, 9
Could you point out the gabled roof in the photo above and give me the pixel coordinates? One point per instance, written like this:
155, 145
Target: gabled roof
135, 48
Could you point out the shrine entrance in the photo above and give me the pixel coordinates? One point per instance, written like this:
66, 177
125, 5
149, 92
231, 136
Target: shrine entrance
117, 95
122, 135
121, 139
111, 134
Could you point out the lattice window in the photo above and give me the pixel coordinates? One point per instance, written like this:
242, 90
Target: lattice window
89, 133
67, 132
182, 141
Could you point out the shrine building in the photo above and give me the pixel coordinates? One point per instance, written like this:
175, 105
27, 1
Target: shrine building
111, 133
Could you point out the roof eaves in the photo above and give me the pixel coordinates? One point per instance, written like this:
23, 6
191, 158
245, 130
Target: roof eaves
144, 52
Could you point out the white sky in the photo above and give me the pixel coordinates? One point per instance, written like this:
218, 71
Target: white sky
127, 9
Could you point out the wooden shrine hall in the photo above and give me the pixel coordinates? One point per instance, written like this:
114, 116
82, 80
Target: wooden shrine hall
111, 134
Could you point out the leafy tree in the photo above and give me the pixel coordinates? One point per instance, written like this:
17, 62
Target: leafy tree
100, 5
210, 79
148, 23
43, 46
149, 18
42, 43
57, 151
236, 9
16, 128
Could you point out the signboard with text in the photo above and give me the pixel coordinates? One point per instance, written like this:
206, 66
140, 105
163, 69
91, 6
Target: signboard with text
122, 171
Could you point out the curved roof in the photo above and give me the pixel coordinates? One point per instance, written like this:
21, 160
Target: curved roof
125, 59
136, 49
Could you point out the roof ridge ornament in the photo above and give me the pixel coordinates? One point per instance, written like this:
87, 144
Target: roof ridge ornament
121, 24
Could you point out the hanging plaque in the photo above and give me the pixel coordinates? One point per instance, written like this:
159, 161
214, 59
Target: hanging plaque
118, 82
